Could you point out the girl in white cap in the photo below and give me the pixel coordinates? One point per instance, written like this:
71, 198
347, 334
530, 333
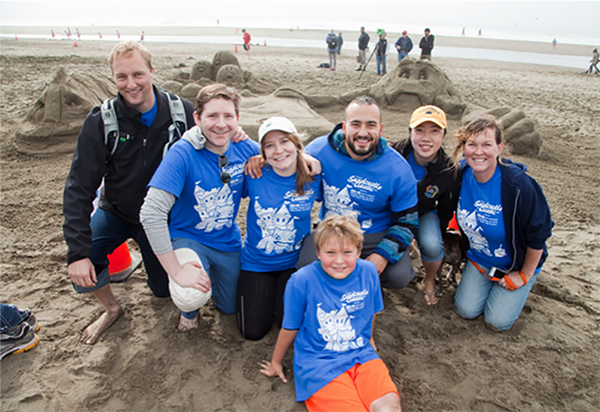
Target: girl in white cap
277, 221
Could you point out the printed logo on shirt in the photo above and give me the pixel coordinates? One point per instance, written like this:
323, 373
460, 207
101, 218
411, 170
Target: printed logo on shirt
336, 329
338, 201
432, 191
278, 233
215, 207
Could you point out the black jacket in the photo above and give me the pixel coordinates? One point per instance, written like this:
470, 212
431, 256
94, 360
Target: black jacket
438, 190
426, 44
126, 173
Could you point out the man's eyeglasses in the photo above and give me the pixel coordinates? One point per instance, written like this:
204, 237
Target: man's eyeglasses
223, 162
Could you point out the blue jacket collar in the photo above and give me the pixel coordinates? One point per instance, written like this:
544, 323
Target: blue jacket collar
336, 141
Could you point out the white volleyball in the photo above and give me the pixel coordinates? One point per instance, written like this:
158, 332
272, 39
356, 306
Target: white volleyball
187, 299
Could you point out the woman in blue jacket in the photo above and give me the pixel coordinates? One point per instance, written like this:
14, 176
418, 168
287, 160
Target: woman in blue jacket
505, 220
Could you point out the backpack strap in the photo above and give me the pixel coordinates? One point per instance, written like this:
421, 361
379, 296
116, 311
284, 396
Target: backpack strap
111, 125
179, 126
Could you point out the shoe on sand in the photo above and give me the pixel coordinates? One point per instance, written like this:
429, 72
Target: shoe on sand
31, 320
19, 339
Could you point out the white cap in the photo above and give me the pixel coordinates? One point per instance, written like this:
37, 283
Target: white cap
187, 299
276, 123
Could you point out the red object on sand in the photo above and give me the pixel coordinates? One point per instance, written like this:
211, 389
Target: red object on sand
119, 260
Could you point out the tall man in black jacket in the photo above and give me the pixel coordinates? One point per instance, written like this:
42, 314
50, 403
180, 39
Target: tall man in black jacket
363, 43
426, 45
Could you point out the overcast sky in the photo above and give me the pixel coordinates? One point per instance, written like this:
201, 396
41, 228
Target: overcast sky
561, 19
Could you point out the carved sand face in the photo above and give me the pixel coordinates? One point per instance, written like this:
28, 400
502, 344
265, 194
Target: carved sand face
222, 58
415, 83
231, 75
202, 70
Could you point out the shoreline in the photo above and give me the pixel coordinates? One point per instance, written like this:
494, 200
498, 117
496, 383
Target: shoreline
259, 34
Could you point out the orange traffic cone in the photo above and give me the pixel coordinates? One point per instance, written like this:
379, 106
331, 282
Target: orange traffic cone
122, 263
265, 42
75, 44
236, 48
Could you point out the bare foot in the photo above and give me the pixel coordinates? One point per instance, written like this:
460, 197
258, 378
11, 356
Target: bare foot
187, 324
91, 334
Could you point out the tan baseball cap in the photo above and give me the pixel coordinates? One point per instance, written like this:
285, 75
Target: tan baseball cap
428, 114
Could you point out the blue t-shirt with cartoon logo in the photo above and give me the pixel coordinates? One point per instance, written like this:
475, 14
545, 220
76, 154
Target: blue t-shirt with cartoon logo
334, 319
371, 190
277, 221
205, 209
480, 216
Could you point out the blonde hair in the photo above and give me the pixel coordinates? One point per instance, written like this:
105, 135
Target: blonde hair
341, 228
127, 48
302, 177
476, 126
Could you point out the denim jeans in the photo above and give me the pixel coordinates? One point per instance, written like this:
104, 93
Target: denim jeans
476, 294
381, 64
108, 233
429, 238
223, 269
11, 316
402, 55
332, 59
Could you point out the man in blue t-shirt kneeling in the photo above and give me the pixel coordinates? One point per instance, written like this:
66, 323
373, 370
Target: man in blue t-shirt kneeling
363, 177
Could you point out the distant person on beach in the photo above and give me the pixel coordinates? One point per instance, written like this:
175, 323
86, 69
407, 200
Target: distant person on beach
381, 50
18, 329
426, 45
100, 35
554, 43
340, 42
463, 32
435, 176
365, 178
118, 34
593, 62
505, 221
52, 32
363, 44
143, 36
330, 309
189, 213
331, 41
403, 45
278, 219
78, 34
144, 121
479, 33
247, 38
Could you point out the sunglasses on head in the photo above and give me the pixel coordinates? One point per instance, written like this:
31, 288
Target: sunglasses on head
223, 162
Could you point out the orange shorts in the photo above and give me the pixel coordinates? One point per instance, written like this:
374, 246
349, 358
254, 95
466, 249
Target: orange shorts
354, 390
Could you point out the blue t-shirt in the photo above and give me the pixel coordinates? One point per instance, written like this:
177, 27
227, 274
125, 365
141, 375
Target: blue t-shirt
480, 216
418, 170
277, 221
205, 209
334, 320
370, 190
149, 116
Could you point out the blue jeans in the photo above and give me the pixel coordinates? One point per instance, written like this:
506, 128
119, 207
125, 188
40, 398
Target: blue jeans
429, 238
381, 64
108, 233
476, 294
10, 316
402, 55
223, 269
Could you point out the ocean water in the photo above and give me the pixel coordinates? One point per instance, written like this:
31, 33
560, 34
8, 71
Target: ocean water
580, 62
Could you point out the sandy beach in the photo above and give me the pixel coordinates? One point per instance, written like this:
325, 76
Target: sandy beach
548, 361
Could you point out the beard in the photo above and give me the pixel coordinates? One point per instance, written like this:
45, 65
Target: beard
360, 151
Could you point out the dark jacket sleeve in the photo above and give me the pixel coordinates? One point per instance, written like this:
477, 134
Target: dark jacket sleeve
87, 169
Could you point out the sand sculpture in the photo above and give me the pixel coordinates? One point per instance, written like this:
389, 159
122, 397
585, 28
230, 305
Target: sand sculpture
53, 123
414, 83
